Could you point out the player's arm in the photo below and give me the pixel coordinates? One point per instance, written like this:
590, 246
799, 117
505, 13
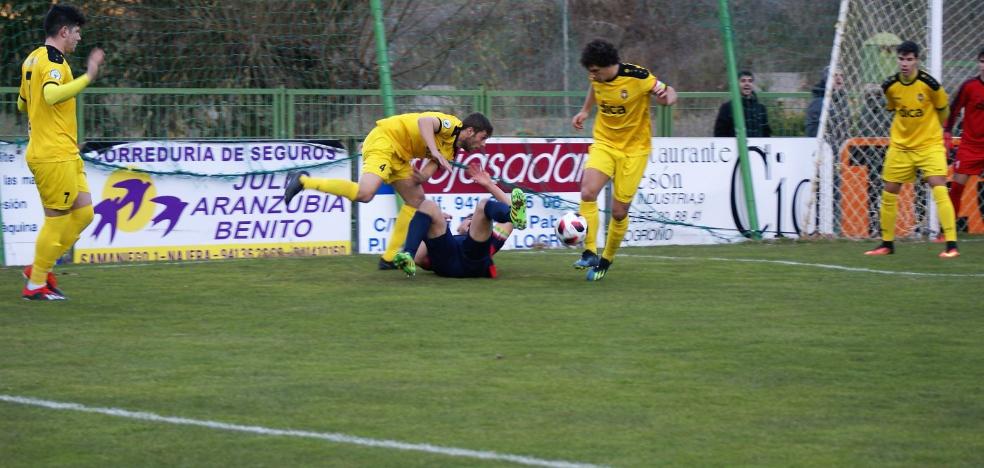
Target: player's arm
665, 94
955, 107
482, 178
425, 172
22, 91
943, 114
589, 102
887, 92
429, 126
55, 93
942, 105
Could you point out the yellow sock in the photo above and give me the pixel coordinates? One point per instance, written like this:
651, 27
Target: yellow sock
399, 235
341, 187
944, 209
616, 231
889, 209
78, 219
590, 212
48, 247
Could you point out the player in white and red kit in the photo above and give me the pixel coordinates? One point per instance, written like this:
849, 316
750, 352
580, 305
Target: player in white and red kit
970, 154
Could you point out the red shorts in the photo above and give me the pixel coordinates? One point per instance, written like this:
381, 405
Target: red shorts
970, 161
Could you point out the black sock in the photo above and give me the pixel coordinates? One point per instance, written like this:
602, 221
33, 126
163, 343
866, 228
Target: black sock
497, 211
419, 225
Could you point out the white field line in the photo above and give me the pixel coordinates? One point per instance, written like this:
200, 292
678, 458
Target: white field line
799, 264
328, 436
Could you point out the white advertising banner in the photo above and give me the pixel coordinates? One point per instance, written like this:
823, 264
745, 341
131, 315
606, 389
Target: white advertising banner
20, 206
551, 168
696, 184
198, 200
211, 200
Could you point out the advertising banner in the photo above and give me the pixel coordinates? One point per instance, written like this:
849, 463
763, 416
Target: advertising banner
204, 200
550, 170
211, 200
20, 206
692, 191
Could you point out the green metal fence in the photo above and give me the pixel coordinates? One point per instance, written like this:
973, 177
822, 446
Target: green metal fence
207, 113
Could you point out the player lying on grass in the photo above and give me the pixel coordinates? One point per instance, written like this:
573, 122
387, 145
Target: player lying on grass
468, 254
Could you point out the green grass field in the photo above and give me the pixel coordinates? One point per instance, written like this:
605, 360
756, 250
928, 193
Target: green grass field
804, 354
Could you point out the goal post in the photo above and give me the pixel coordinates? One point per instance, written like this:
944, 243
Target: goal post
854, 126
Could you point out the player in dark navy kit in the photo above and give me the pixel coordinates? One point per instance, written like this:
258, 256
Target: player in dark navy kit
431, 244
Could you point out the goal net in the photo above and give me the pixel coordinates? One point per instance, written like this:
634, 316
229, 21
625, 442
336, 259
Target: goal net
856, 126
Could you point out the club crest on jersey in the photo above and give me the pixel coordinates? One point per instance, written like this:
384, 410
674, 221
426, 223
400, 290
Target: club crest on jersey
55, 74
625, 94
919, 97
446, 123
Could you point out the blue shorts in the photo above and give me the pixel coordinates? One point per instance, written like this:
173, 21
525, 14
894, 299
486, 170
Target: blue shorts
460, 256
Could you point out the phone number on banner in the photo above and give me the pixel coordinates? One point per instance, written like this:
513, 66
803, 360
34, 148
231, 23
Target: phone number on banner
212, 252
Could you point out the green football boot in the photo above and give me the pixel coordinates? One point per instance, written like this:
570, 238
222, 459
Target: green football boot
404, 261
517, 209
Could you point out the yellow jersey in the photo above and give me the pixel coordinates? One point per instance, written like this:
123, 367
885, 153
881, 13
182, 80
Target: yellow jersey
623, 121
916, 124
52, 129
404, 132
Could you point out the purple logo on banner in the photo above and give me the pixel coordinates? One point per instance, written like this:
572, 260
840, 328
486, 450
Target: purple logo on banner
124, 196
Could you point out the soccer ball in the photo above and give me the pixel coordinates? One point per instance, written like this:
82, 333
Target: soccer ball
572, 228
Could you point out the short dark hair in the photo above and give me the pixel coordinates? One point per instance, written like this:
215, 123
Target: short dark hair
60, 16
599, 53
908, 47
478, 122
746, 73
980, 54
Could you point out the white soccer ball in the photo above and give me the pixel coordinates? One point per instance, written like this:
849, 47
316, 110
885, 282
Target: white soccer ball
572, 228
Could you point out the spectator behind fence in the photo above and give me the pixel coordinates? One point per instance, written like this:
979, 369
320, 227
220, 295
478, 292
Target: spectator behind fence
837, 112
756, 117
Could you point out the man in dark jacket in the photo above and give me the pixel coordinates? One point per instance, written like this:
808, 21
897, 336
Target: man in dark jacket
837, 117
756, 117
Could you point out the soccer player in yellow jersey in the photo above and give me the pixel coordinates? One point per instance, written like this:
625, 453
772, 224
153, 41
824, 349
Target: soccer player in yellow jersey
622, 142
386, 155
47, 94
920, 107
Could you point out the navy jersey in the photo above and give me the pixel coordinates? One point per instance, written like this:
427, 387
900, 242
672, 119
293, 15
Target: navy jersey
460, 256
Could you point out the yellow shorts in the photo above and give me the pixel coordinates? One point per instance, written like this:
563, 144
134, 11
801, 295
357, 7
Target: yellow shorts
624, 169
901, 165
380, 158
59, 183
